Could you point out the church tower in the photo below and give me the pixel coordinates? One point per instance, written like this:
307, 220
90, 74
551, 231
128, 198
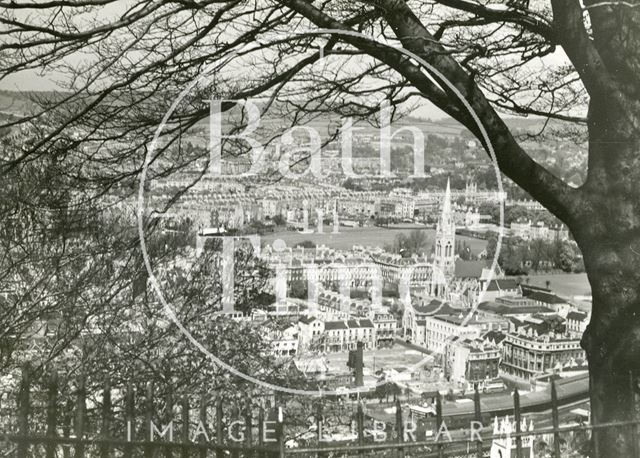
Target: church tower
444, 260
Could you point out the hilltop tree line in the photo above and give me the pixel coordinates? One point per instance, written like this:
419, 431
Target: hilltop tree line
520, 257
515, 213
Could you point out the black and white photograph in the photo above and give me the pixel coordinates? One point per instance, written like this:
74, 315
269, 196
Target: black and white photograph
319, 228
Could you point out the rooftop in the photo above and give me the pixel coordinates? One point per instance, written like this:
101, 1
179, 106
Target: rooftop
577, 316
502, 284
503, 309
494, 336
307, 319
349, 324
542, 296
435, 306
476, 345
458, 318
533, 336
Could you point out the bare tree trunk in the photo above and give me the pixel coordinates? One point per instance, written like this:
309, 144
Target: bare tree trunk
607, 230
612, 343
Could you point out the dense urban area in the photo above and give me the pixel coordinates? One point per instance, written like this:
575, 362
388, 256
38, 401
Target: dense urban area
382, 291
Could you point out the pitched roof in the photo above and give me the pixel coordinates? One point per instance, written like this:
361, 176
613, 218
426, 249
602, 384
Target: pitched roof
502, 284
503, 309
494, 336
360, 323
454, 318
547, 298
576, 316
527, 289
332, 325
307, 319
516, 321
433, 307
353, 324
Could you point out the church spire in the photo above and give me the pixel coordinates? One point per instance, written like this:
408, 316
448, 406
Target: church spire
446, 217
446, 204
444, 261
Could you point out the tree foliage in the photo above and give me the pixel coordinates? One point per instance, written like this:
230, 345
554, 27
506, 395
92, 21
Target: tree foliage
493, 58
407, 245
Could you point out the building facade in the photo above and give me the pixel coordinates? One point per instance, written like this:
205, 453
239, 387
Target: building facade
471, 362
527, 355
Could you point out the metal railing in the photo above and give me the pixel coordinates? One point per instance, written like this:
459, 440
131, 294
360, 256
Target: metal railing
64, 429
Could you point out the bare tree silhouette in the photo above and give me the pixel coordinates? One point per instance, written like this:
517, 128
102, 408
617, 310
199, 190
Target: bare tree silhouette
121, 66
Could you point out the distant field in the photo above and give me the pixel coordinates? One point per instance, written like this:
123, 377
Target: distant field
564, 284
372, 236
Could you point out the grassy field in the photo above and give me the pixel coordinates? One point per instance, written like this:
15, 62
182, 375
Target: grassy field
372, 236
564, 284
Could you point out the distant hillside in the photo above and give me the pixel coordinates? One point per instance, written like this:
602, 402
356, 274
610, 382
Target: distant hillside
17, 103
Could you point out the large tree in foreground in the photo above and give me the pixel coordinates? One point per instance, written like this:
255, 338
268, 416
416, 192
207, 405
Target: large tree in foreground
568, 60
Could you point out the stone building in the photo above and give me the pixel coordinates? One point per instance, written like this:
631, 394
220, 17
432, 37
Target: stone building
471, 361
525, 354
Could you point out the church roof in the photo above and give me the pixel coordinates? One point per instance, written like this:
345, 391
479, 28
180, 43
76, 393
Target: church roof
502, 284
435, 306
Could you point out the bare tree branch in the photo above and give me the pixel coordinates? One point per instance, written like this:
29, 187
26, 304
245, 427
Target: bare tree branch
513, 161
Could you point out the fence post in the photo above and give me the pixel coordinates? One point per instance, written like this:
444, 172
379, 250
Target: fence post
319, 421
261, 431
106, 418
52, 414
23, 410
129, 413
219, 438
148, 418
280, 431
66, 428
234, 446
556, 421
439, 422
203, 422
248, 426
399, 428
634, 426
360, 424
81, 411
168, 418
185, 426
516, 416
478, 417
